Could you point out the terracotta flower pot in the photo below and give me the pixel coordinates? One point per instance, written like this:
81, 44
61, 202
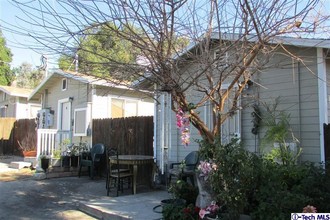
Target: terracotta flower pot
31, 153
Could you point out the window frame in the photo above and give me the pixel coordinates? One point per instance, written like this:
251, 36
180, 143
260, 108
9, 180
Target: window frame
64, 85
75, 120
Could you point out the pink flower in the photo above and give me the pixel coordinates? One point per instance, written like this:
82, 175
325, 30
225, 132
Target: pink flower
206, 168
309, 209
183, 123
202, 213
209, 210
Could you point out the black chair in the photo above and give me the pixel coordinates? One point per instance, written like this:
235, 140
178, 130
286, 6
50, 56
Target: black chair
111, 152
184, 169
93, 161
117, 175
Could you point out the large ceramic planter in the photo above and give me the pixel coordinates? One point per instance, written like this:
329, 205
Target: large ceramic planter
56, 162
44, 163
74, 161
66, 161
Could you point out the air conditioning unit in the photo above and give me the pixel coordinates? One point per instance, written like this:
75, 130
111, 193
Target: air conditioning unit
45, 118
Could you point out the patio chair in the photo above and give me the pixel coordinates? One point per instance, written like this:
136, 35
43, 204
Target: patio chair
118, 176
93, 161
187, 170
110, 152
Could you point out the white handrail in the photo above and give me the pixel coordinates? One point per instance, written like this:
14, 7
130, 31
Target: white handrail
49, 140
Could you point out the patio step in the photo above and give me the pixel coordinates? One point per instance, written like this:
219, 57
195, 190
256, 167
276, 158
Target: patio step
19, 164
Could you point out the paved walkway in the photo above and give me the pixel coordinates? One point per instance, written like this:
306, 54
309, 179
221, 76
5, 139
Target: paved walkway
73, 196
138, 207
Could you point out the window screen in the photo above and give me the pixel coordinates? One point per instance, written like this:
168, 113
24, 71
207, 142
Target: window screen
80, 122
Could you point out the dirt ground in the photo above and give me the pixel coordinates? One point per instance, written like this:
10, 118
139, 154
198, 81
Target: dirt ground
14, 175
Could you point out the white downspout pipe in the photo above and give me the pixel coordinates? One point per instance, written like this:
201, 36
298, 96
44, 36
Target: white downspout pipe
323, 104
155, 127
162, 131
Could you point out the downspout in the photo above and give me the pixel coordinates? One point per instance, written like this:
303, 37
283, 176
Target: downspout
162, 120
155, 125
91, 109
322, 95
299, 100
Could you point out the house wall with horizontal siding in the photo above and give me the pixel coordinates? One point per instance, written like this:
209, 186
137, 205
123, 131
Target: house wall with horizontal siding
296, 85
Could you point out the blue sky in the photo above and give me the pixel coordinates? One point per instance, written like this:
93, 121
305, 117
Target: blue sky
19, 44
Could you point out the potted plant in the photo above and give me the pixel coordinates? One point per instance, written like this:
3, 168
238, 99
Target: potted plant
27, 147
75, 150
183, 190
56, 159
65, 157
44, 162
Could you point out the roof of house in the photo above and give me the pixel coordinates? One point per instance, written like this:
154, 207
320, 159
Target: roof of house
290, 41
14, 91
59, 74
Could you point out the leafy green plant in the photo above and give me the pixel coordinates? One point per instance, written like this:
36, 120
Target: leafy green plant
285, 189
176, 212
235, 179
279, 136
57, 154
183, 190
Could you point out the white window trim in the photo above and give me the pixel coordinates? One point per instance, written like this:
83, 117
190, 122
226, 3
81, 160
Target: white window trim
66, 84
86, 122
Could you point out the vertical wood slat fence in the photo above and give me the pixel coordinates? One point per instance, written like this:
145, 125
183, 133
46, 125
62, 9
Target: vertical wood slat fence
15, 133
132, 136
326, 129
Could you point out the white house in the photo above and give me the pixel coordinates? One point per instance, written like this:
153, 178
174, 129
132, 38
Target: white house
71, 100
14, 103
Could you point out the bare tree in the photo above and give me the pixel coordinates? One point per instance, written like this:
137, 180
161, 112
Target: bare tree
240, 30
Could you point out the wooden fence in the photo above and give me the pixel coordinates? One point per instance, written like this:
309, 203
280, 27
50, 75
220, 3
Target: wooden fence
133, 136
17, 134
326, 128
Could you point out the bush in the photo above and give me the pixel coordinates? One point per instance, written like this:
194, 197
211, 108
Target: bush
235, 180
183, 190
287, 189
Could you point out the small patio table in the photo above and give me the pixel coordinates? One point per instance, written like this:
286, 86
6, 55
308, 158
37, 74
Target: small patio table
133, 160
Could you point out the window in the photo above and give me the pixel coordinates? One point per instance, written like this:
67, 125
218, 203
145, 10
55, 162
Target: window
117, 108
3, 112
123, 108
81, 122
64, 84
221, 58
131, 108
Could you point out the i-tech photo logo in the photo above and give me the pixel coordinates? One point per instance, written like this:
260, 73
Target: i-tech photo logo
310, 216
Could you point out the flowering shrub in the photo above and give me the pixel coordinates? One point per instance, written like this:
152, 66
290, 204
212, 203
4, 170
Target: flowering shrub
175, 212
309, 209
209, 211
183, 124
191, 212
205, 168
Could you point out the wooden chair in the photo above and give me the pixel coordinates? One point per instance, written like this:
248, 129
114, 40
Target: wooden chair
93, 161
117, 175
111, 152
187, 170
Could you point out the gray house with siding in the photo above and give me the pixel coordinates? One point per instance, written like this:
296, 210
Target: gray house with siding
303, 89
14, 103
71, 100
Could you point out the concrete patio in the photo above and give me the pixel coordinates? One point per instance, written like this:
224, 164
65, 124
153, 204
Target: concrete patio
89, 196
